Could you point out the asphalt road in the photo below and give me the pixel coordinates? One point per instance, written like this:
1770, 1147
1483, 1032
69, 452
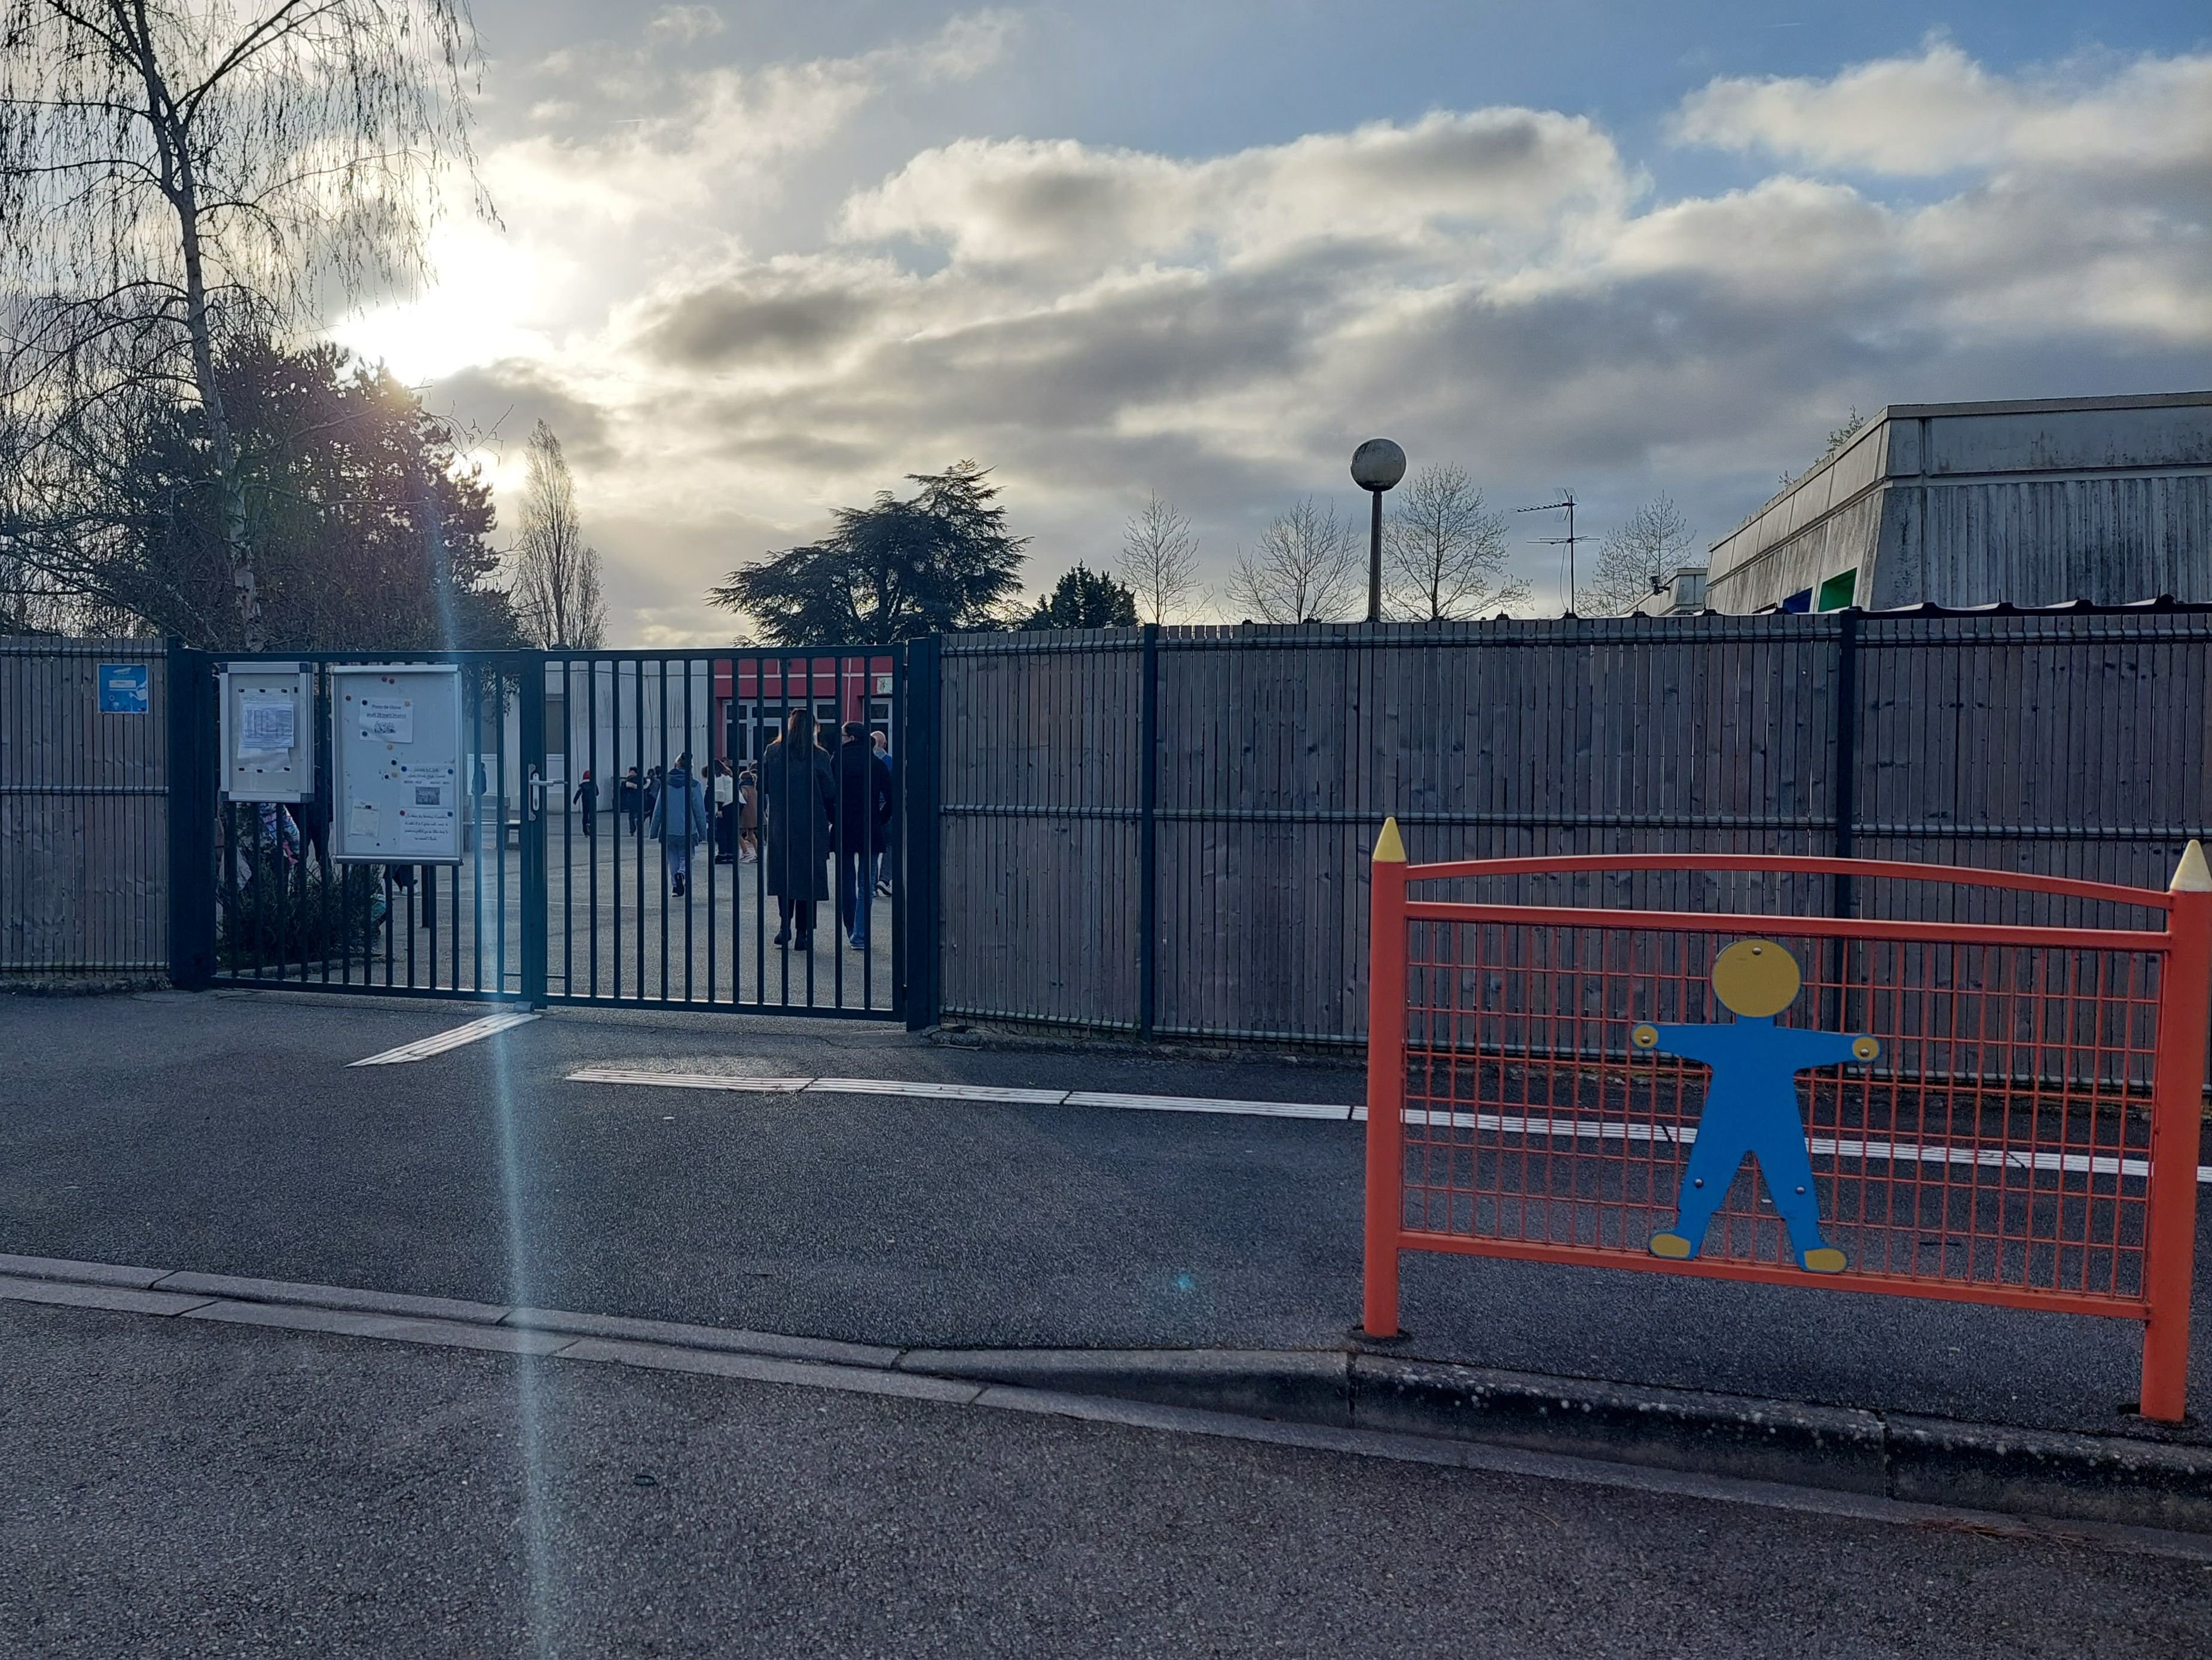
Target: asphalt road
187, 1490
225, 1134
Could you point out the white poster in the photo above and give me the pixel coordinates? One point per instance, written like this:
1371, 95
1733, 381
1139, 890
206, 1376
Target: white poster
266, 731
387, 720
268, 724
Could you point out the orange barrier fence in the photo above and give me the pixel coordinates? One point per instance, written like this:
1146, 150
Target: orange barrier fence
1990, 1111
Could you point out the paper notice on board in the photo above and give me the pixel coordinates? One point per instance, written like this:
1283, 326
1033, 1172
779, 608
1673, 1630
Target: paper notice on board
361, 821
426, 832
267, 725
387, 720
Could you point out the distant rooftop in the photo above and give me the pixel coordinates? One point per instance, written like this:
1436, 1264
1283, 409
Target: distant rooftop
2146, 400
2034, 500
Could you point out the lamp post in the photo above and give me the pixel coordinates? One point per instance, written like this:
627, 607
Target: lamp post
1377, 465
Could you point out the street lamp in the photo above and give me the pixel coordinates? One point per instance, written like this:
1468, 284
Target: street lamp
1377, 465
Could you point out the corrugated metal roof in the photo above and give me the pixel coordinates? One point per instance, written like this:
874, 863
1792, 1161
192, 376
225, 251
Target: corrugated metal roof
2165, 602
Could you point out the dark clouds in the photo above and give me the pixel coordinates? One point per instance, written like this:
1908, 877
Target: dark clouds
729, 322
500, 402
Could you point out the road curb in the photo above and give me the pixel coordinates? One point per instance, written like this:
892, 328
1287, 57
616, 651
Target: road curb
1303, 1387
1749, 1439
2129, 1480
2132, 1481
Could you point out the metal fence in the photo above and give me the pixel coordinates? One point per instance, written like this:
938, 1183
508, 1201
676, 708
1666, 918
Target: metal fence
84, 777
567, 890
1992, 1112
1166, 830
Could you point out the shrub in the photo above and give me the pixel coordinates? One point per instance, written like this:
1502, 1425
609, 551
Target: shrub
278, 915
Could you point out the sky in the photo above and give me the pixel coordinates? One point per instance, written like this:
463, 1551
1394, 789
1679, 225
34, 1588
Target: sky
754, 262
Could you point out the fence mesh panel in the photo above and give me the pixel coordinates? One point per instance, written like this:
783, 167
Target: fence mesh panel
2001, 1139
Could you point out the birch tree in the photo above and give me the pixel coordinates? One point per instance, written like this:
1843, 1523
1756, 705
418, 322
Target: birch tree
176, 175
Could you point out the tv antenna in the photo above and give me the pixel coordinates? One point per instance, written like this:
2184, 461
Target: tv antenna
1567, 501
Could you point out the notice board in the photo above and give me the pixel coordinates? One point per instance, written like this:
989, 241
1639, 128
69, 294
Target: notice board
396, 752
268, 732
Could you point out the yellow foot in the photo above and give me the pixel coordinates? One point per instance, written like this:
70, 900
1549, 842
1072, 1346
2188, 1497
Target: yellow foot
1826, 1259
1669, 1245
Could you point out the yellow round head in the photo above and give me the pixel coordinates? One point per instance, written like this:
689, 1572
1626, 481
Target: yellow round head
1755, 978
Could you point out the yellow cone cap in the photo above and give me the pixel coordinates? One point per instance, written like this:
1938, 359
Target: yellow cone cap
2192, 875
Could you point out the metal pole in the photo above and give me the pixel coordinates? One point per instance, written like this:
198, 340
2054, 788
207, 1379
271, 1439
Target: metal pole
1386, 1081
1374, 559
917, 877
190, 710
1148, 801
2176, 1106
530, 836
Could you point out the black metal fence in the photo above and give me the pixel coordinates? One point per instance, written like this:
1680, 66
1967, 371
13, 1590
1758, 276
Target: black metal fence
1166, 830
84, 808
583, 777
1155, 832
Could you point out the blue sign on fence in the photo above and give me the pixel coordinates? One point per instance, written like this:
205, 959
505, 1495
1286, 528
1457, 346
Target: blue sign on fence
123, 688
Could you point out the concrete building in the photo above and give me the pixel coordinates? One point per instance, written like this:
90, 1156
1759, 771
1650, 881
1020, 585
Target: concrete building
2036, 502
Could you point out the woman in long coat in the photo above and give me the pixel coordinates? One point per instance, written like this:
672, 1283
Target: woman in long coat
799, 795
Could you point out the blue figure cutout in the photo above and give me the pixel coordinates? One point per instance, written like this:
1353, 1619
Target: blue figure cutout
1751, 1104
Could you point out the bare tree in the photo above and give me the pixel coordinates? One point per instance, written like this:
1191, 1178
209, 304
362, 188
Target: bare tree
1637, 557
1447, 550
1159, 560
557, 582
1307, 569
176, 174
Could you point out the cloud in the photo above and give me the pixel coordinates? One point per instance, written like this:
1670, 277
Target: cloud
1501, 288
629, 135
782, 313
1941, 112
684, 25
500, 402
1452, 179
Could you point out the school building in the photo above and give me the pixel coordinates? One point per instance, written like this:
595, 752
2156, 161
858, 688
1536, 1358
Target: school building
2036, 502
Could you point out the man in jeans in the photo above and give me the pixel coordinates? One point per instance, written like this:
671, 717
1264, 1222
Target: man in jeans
863, 809
679, 822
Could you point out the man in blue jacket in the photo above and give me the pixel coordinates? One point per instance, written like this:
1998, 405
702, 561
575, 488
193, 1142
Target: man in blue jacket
1751, 1103
679, 822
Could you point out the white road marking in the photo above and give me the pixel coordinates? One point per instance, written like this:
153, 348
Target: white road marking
1875, 1152
439, 1042
939, 1092
689, 1080
1203, 1104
